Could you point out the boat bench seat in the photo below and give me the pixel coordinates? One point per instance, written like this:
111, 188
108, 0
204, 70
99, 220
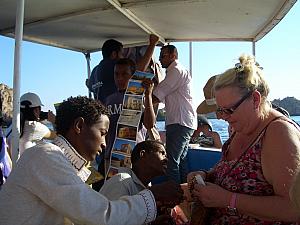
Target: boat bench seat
202, 158
198, 158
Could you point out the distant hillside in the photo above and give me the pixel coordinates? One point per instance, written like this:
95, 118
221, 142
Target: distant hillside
291, 104
6, 106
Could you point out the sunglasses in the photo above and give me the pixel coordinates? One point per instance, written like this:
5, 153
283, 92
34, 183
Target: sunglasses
231, 110
161, 56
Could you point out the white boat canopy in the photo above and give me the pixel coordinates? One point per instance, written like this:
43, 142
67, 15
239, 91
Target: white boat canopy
83, 25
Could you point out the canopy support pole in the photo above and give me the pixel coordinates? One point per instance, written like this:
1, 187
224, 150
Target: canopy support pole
253, 48
131, 16
17, 78
88, 64
191, 57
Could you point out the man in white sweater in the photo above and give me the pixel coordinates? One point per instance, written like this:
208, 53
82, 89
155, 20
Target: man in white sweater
47, 185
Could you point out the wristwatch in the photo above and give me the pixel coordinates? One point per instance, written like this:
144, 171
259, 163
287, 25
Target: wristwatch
231, 208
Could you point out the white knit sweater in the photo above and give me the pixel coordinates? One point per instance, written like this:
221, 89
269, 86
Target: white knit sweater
47, 186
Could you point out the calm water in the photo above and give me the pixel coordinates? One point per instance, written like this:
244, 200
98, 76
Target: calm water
220, 126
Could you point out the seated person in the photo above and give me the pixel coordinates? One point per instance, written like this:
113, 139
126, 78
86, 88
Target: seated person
148, 161
204, 135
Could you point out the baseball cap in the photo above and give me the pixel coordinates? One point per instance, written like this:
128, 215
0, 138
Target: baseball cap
31, 100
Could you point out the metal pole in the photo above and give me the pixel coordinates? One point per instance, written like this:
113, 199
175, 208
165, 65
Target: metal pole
88, 64
191, 58
16, 82
253, 48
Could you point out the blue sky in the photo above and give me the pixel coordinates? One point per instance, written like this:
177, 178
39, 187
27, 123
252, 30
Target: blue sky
55, 74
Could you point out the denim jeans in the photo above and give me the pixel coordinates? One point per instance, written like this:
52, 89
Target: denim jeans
177, 143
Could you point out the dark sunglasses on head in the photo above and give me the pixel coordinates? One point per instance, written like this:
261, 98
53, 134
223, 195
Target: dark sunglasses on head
231, 110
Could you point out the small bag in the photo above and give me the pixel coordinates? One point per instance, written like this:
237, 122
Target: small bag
195, 213
199, 214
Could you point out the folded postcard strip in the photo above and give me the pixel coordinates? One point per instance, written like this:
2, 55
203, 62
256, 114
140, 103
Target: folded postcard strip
129, 123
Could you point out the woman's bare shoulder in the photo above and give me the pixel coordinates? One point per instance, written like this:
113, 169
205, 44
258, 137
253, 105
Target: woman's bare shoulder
282, 128
280, 153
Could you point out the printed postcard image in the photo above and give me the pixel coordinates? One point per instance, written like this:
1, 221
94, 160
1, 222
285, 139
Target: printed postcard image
131, 118
126, 132
112, 171
139, 75
133, 102
135, 88
120, 160
123, 146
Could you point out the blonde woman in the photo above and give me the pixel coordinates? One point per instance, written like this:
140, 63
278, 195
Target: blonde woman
250, 184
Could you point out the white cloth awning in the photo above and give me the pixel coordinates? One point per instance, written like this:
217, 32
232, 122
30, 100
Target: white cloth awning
83, 25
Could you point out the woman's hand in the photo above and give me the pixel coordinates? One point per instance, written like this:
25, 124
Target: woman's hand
191, 176
212, 195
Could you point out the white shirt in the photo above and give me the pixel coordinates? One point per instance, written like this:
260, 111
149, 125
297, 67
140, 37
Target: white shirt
175, 92
33, 132
46, 187
125, 182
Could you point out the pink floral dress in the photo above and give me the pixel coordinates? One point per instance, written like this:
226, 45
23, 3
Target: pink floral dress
243, 175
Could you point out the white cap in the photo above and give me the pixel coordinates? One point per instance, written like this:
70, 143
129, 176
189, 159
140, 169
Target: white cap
33, 100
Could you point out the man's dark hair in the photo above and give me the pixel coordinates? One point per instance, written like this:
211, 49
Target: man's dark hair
110, 46
87, 108
171, 48
127, 62
148, 146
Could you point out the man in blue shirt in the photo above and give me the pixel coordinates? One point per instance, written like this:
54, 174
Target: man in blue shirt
101, 82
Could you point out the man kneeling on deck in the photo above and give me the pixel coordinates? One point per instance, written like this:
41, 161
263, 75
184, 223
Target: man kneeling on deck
47, 185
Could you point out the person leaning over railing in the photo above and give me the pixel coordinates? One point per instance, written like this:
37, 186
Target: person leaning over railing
251, 182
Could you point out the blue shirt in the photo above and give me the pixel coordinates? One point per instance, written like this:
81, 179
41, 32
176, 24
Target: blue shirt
102, 82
